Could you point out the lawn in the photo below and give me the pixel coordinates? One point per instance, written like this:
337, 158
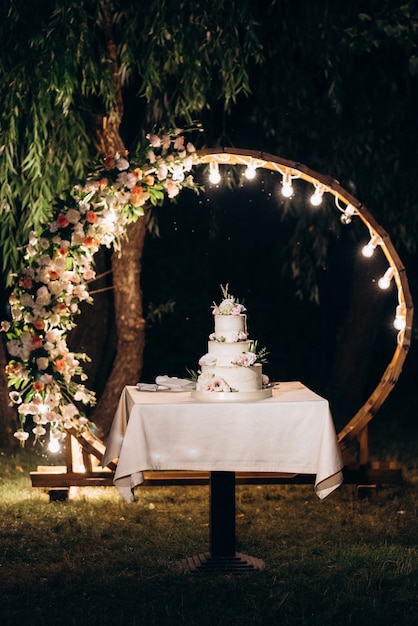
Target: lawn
98, 560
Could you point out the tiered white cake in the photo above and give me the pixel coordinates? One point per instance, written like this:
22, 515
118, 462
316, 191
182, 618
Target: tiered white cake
229, 370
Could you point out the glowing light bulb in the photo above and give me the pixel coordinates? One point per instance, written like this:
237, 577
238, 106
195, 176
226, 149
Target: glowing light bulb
369, 248
250, 172
214, 175
287, 188
54, 444
384, 282
400, 320
316, 197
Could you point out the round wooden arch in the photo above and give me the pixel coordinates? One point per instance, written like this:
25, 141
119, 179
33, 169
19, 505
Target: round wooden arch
352, 208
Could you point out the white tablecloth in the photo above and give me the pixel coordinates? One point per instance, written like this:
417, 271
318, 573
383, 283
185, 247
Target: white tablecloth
290, 432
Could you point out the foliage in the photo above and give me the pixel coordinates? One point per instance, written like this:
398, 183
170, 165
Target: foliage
58, 267
56, 63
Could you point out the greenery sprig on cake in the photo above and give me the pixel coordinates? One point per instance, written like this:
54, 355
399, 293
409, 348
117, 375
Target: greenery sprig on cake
229, 305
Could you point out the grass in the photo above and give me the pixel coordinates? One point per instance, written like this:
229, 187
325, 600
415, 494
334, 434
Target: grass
97, 560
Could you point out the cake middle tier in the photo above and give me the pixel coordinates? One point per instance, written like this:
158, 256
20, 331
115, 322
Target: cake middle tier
225, 353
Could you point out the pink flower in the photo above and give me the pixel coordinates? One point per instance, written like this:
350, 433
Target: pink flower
154, 141
218, 384
245, 359
172, 189
21, 435
179, 143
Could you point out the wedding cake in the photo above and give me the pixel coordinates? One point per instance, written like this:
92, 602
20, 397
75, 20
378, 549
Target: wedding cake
232, 368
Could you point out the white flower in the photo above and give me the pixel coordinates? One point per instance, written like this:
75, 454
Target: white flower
83, 395
38, 430
43, 297
15, 397
207, 359
69, 411
21, 435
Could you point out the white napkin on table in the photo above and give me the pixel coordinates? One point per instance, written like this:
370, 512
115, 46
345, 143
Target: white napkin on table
147, 386
172, 382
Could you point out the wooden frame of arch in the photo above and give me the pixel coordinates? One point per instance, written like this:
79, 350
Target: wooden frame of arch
356, 428
84, 452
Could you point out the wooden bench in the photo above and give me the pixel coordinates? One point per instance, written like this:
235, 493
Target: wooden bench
84, 452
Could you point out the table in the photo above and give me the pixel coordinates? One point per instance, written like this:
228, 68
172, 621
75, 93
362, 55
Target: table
291, 432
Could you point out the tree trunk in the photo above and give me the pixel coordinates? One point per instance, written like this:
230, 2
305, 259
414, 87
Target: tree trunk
130, 325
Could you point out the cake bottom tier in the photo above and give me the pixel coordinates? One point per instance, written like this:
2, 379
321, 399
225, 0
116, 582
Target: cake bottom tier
238, 378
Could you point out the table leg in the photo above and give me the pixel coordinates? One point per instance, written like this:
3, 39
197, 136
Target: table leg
222, 557
222, 514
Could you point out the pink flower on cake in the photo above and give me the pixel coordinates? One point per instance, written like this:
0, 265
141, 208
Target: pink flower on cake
245, 359
217, 384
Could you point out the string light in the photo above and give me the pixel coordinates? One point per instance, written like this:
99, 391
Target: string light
250, 170
384, 282
214, 175
287, 187
316, 197
400, 319
369, 248
54, 444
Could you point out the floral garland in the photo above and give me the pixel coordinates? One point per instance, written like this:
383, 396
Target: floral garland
45, 377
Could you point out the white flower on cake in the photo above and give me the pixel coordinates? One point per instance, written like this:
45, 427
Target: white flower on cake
245, 359
229, 305
207, 359
233, 337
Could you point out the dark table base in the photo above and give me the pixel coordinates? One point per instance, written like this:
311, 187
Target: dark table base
222, 557
208, 564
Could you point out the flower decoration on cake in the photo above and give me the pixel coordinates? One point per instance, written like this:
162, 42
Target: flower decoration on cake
229, 305
245, 359
215, 384
207, 359
232, 365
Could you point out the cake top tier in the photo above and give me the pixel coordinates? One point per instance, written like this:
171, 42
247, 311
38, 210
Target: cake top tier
229, 305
